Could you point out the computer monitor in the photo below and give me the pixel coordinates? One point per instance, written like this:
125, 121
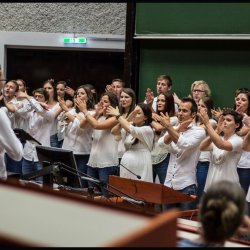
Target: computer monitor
67, 174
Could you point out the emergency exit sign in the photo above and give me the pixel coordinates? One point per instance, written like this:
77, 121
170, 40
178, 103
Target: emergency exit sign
75, 40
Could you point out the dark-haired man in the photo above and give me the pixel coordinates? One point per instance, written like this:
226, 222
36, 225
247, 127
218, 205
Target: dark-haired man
183, 144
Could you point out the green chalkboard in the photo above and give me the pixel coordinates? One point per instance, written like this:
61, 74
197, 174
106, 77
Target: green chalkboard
192, 18
224, 65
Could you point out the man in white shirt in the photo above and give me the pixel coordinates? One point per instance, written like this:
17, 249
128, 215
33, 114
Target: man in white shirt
183, 144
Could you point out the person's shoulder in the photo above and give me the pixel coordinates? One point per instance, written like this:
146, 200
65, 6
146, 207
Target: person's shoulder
190, 243
187, 243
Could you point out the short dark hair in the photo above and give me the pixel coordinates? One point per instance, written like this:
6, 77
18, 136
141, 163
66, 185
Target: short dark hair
194, 107
43, 92
237, 117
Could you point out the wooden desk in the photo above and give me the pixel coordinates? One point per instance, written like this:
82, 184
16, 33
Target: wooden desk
41, 218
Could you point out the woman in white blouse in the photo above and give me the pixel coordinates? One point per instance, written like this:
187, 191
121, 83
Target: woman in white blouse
138, 142
225, 144
103, 158
78, 139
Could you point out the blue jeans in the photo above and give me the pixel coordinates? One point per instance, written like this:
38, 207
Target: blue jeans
160, 169
12, 165
101, 174
81, 162
54, 141
190, 205
201, 176
244, 176
32, 166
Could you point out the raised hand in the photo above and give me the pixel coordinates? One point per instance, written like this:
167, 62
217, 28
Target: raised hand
113, 111
184, 125
109, 88
81, 104
164, 120
156, 117
246, 120
177, 100
22, 95
202, 114
220, 124
62, 103
149, 96
99, 108
216, 113
44, 105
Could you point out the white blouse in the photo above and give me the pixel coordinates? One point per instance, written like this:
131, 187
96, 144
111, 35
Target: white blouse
9, 143
224, 163
104, 151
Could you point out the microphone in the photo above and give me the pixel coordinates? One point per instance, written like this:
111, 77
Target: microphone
84, 176
138, 176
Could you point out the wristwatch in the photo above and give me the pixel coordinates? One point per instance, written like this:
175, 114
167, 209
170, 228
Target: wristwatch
117, 116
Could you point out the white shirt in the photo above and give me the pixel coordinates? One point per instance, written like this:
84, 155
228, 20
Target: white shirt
23, 107
206, 155
244, 161
40, 123
137, 157
160, 152
53, 130
9, 143
104, 150
224, 163
184, 156
77, 139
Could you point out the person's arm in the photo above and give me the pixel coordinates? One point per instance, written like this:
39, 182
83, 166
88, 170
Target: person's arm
246, 142
116, 130
8, 139
149, 98
244, 229
214, 134
122, 121
10, 106
173, 134
96, 124
177, 100
216, 113
156, 123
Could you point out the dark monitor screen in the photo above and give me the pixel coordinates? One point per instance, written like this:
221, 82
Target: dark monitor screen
67, 174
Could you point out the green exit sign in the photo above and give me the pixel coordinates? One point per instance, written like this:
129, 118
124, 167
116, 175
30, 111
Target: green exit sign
75, 40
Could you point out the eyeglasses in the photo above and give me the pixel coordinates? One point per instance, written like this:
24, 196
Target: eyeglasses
198, 90
38, 96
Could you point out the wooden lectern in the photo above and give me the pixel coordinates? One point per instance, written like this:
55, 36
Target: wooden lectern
146, 191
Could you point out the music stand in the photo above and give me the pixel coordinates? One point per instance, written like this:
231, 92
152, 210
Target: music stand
52, 159
23, 136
